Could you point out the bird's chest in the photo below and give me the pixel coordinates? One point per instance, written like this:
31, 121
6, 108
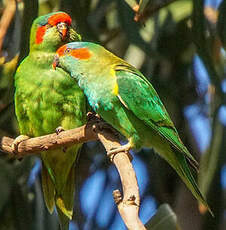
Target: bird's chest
43, 103
100, 96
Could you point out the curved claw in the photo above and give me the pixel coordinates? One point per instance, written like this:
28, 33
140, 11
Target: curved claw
17, 141
123, 148
59, 130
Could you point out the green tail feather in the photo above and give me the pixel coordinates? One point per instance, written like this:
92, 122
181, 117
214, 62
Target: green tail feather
179, 163
64, 221
63, 200
48, 189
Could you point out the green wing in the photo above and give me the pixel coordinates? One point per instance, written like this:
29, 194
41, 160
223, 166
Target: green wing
138, 95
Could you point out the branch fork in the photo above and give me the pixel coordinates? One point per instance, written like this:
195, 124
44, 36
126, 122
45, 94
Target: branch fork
128, 204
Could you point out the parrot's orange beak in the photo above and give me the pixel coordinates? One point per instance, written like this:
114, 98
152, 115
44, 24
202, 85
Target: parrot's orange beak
62, 28
64, 33
55, 61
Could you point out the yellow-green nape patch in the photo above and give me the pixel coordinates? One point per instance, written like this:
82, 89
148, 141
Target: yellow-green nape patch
115, 89
18, 69
112, 72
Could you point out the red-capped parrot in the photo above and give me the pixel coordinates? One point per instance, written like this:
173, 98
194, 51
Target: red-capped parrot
46, 99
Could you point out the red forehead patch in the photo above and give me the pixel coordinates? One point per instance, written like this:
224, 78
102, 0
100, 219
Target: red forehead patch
39, 34
81, 53
61, 17
61, 50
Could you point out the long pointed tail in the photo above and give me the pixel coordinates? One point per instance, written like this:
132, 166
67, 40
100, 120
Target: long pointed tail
178, 161
63, 199
64, 221
48, 189
187, 177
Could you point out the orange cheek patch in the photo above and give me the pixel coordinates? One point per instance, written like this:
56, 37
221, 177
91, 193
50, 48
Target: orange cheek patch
61, 17
39, 34
82, 53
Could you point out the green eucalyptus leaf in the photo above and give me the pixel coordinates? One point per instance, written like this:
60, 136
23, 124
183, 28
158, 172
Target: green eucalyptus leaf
131, 3
130, 27
142, 5
180, 9
164, 219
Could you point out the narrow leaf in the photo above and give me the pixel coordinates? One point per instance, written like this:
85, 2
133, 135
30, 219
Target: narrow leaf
142, 5
131, 3
164, 219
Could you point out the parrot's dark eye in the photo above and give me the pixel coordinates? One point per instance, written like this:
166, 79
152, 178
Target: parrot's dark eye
67, 51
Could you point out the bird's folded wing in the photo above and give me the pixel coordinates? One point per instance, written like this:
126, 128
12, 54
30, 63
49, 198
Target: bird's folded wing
139, 96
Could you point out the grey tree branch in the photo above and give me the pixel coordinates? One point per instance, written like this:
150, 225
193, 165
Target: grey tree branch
52, 141
128, 204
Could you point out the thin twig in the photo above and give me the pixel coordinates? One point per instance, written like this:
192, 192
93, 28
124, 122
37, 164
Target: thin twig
128, 205
150, 10
6, 19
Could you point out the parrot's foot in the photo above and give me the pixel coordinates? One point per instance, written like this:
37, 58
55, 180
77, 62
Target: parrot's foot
123, 148
59, 130
17, 141
105, 126
92, 115
102, 125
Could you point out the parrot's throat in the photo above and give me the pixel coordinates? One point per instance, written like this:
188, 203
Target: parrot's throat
42, 58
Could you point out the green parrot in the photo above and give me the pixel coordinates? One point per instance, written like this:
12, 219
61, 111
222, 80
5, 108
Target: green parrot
124, 98
46, 99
